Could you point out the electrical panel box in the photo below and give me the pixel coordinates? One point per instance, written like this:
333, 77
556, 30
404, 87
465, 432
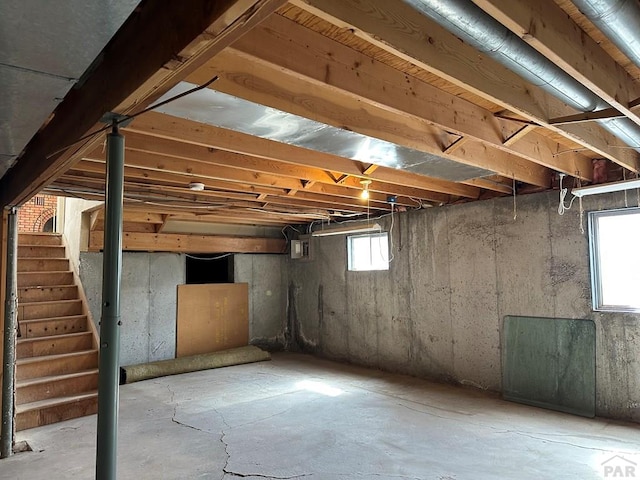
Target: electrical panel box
301, 248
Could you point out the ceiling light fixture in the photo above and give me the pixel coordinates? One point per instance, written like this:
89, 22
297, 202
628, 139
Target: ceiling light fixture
347, 230
196, 186
606, 188
365, 189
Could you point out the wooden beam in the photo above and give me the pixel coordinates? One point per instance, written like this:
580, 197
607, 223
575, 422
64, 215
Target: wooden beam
547, 28
521, 133
587, 117
370, 169
160, 227
157, 46
166, 242
136, 217
162, 126
456, 144
268, 84
93, 219
322, 61
401, 30
229, 215
150, 167
495, 184
154, 187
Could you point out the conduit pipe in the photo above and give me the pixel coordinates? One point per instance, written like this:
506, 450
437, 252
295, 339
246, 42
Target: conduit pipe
10, 331
470, 23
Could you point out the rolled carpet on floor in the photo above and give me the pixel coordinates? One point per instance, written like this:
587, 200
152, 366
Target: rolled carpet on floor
205, 361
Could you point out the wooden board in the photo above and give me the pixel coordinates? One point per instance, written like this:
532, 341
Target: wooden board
212, 317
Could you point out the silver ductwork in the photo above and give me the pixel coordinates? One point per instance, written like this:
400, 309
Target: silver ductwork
232, 113
619, 20
470, 23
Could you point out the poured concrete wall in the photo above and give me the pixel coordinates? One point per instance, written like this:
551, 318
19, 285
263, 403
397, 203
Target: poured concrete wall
267, 276
148, 302
457, 272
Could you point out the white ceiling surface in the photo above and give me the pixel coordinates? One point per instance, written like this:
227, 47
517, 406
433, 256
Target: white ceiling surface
45, 48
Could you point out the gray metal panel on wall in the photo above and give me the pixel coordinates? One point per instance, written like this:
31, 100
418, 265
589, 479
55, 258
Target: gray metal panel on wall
550, 363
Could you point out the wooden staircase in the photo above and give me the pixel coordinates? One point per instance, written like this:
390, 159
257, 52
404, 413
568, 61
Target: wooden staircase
57, 356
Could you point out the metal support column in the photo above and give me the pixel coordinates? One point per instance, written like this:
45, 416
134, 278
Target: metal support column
10, 329
109, 368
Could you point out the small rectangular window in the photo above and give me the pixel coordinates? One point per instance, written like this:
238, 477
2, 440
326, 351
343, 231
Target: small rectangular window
368, 252
615, 265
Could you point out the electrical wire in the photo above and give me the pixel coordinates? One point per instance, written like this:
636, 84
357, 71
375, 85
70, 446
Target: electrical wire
515, 204
391, 255
208, 258
626, 196
127, 118
284, 233
562, 207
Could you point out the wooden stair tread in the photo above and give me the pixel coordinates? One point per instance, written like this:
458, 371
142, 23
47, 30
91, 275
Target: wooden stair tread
68, 301
52, 378
42, 258
57, 365
50, 319
44, 273
44, 358
27, 287
49, 338
53, 402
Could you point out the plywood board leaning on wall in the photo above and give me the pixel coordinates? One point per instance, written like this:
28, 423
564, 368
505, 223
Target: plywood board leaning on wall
212, 317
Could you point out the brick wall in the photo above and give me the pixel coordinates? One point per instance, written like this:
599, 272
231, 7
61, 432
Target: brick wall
33, 215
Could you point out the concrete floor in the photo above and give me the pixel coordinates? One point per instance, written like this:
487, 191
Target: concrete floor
300, 417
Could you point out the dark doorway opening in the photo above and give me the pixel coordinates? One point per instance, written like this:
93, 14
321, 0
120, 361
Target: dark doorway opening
209, 268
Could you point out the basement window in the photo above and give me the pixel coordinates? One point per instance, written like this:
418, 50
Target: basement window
615, 265
368, 252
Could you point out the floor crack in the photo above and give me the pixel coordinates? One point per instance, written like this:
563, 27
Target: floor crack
226, 471
175, 412
242, 475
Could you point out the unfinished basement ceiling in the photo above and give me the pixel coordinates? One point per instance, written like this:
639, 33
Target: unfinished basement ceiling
46, 47
226, 111
316, 96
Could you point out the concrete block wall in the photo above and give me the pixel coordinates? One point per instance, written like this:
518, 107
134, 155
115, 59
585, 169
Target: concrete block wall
457, 271
148, 302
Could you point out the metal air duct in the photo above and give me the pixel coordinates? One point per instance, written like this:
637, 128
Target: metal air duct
470, 23
619, 20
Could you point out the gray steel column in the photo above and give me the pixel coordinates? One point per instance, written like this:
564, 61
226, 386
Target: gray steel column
10, 329
109, 367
